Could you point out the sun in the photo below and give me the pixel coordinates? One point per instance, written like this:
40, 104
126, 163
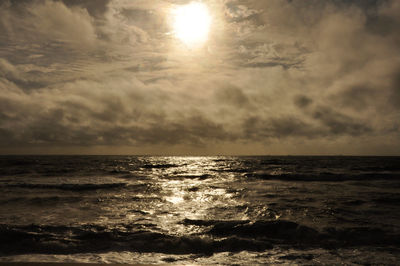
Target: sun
192, 23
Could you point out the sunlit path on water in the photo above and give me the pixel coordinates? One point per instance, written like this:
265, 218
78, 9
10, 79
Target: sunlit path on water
181, 188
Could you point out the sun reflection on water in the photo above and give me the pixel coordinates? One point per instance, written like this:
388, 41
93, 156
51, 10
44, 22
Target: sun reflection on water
164, 191
192, 190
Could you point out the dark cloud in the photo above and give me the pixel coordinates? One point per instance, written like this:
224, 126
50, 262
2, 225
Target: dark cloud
357, 97
302, 101
232, 95
395, 86
340, 124
96, 8
51, 128
258, 129
269, 64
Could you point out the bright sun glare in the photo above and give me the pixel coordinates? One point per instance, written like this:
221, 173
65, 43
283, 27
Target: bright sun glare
192, 23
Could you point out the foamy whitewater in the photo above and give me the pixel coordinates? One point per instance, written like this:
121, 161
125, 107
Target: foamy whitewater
244, 210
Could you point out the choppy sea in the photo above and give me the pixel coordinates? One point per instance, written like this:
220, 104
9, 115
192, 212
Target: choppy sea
206, 210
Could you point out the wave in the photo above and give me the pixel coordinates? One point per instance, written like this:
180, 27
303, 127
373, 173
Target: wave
72, 187
195, 176
156, 166
273, 230
41, 200
51, 200
324, 177
93, 238
220, 236
288, 232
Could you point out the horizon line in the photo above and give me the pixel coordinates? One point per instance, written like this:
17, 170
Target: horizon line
215, 155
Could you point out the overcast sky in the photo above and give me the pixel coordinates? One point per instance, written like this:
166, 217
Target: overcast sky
274, 77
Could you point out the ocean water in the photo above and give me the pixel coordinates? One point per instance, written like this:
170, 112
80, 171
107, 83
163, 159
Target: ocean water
206, 210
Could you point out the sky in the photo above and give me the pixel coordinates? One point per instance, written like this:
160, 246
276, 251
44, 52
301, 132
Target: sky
272, 77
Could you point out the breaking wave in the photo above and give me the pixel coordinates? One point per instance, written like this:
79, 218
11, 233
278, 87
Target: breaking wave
221, 236
93, 238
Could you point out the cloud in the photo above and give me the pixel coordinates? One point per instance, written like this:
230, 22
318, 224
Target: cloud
232, 96
395, 86
88, 113
7, 70
356, 97
95, 8
273, 73
258, 129
338, 123
43, 21
302, 101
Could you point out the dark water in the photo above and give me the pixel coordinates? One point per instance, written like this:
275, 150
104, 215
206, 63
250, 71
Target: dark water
297, 210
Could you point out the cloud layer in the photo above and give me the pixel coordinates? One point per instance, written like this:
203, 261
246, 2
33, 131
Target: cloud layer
275, 77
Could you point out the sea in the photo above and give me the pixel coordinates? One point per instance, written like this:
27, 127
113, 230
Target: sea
304, 210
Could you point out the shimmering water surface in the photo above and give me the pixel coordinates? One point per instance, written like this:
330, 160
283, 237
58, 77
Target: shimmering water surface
133, 209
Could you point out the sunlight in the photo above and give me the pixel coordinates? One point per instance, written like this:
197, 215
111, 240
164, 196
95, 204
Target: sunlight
192, 23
